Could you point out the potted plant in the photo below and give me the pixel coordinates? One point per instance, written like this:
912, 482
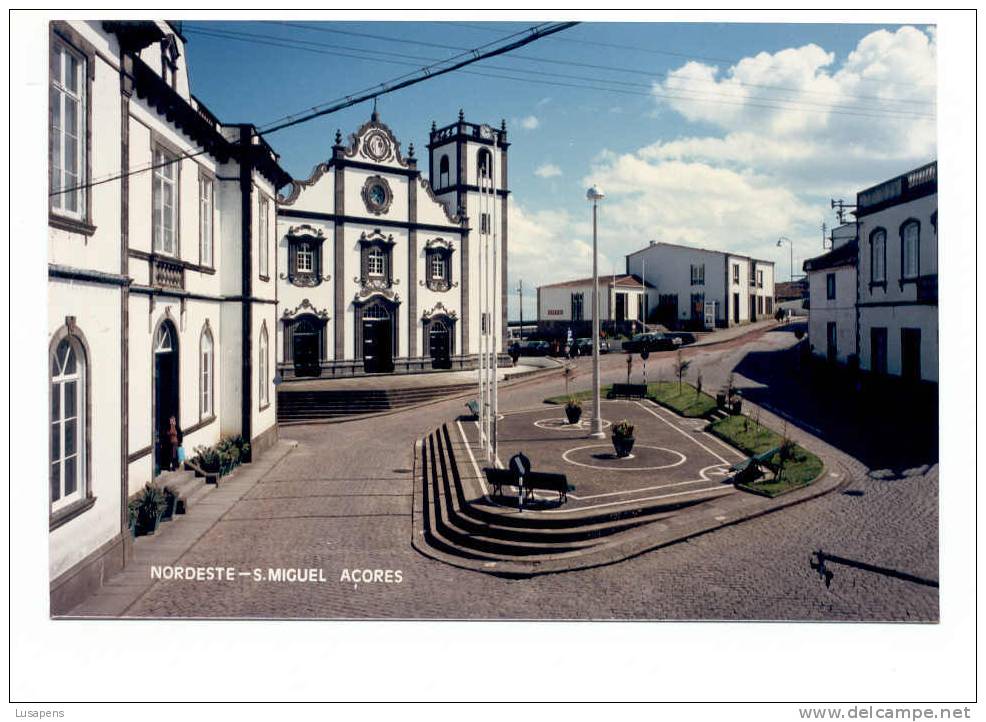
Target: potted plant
573, 410
736, 403
150, 508
133, 513
623, 438
170, 503
244, 446
207, 459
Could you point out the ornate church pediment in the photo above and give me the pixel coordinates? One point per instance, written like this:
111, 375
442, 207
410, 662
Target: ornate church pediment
438, 310
439, 244
368, 293
375, 236
304, 308
374, 142
306, 232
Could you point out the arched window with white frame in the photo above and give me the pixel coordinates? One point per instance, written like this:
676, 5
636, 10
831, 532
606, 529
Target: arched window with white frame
68, 419
910, 249
207, 382
878, 256
263, 368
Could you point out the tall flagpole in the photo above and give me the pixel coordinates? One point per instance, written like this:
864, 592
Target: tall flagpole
486, 311
594, 195
481, 352
495, 321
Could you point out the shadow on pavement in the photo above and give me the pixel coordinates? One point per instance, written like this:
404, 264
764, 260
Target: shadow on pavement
891, 430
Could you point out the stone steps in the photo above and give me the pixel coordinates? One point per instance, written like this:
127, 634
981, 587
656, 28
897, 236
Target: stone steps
186, 485
325, 404
498, 540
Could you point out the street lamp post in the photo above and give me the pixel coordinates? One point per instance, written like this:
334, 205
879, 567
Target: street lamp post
791, 246
595, 195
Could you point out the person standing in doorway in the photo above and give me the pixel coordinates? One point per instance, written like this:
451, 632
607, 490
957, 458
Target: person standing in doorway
174, 442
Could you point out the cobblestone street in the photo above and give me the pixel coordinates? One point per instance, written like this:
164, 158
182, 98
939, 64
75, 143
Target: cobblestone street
342, 500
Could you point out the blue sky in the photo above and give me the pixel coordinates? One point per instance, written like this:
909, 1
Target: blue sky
723, 135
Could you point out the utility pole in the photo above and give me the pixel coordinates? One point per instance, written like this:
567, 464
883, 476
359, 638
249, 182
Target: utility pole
520, 292
594, 195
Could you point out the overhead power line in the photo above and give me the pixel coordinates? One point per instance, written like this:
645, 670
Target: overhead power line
432, 71
489, 27
539, 59
599, 84
529, 36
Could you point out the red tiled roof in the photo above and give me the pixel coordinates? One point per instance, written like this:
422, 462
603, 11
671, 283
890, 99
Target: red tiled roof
626, 280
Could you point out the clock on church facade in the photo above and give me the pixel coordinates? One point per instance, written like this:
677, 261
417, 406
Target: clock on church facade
379, 273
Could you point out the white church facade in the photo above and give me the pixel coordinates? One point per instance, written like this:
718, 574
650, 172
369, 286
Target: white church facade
380, 269
161, 290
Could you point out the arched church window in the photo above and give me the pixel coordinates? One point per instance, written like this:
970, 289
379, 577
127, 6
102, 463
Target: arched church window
443, 172
485, 163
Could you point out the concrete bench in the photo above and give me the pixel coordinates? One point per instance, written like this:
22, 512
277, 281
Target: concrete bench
533, 481
549, 482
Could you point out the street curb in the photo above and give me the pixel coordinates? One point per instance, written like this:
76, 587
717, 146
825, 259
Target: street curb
704, 344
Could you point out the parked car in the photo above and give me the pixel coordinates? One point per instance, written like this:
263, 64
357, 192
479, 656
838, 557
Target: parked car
684, 336
654, 341
583, 346
534, 348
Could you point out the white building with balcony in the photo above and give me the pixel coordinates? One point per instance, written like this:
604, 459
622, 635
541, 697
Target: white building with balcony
161, 284
897, 226
875, 294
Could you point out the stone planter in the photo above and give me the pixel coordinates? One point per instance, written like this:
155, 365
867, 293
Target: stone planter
147, 525
623, 445
171, 501
574, 413
736, 407
721, 400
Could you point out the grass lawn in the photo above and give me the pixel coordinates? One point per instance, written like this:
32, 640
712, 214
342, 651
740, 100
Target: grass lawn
582, 396
689, 402
752, 438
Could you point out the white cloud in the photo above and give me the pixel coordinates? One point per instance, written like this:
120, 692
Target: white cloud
880, 102
826, 127
529, 122
547, 170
